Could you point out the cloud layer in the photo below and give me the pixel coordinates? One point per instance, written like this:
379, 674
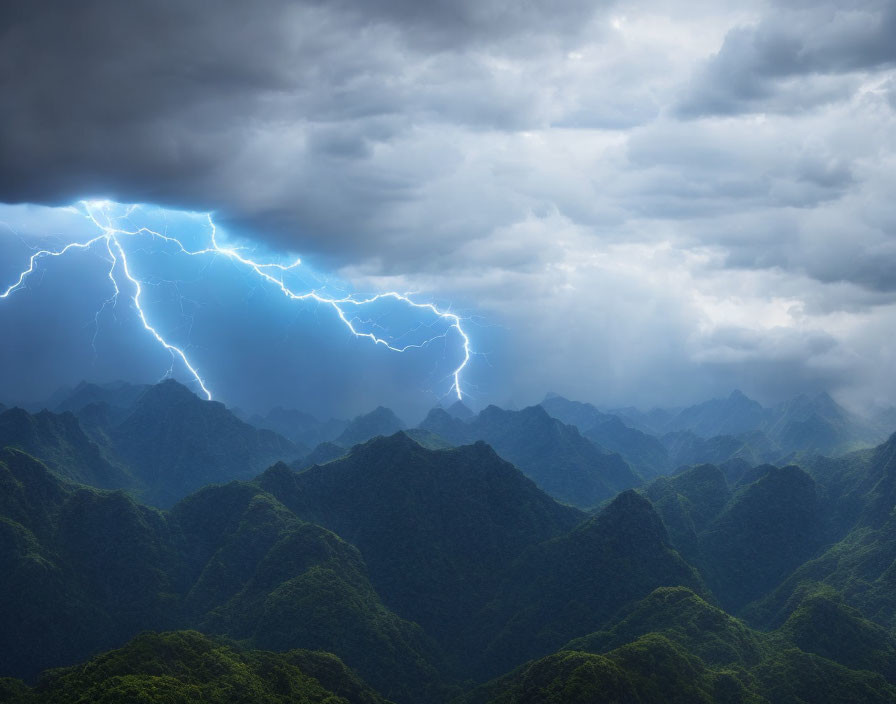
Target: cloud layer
642, 203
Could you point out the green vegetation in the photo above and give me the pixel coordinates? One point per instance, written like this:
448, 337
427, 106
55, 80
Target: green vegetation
427, 569
62, 445
436, 528
573, 584
675, 647
88, 569
185, 666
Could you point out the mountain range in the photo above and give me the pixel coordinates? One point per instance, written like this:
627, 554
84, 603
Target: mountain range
156, 547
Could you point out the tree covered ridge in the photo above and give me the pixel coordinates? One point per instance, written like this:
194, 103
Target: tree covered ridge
429, 571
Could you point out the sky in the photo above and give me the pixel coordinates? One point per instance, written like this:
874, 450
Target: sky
635, 203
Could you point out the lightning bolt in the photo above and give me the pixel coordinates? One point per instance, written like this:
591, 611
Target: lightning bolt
112, 235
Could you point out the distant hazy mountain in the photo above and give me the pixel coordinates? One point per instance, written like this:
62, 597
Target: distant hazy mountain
820, 425
582, 415
809, 424
299, 427
117, 394
722, 416
458, 409
686, 448
645, 453
886, 420
380, 421
554, 455
323, 453
720, 429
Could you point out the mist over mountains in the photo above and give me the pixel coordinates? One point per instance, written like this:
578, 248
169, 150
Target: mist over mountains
123, 435
718, 553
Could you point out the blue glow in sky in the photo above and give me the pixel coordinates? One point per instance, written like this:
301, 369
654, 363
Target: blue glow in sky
147, 290
649, 203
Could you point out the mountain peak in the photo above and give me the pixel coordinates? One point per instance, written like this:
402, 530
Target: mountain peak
380, 421
494, 412
437, 413
460, 410
168, 390
631, 513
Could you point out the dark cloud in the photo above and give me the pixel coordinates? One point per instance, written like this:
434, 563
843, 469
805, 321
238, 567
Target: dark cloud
643, 195
268, 113
817, 43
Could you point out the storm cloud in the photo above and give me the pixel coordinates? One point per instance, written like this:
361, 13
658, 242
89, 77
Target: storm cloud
639, 203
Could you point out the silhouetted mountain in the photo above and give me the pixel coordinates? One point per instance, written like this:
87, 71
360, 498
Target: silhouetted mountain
824, 625
721, 416
814, 424
767, 530
439, 422
582, 415
886, 420
687, 619
85, 570
166, 445
554, 455
571, 586
675, 647
435, 527
174, 443
686, 448
807, 424
645, 453
380, 421
299, 427
420, 567
720, 429
117, 394
429, 440
859, 497
688, 503
818, 424
459, 410
275, 582
59, 441
184, 666
652, 670
323, 453
654, 422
